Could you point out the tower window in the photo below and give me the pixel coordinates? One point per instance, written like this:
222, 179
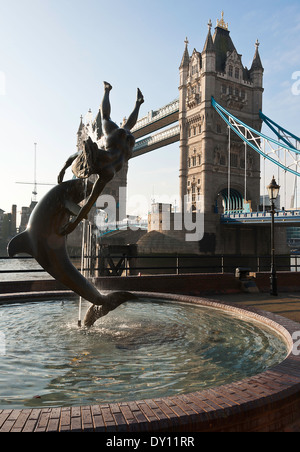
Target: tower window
222, 160
198, 194
237, 73
234, 160
193, 193
230, 71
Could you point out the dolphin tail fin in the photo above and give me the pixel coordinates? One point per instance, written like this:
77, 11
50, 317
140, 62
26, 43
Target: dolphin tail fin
110, 302
19, 244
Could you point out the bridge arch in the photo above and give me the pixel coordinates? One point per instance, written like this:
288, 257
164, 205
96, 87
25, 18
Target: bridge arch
234, 203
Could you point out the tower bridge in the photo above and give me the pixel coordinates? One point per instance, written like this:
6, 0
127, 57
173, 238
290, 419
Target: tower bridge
218, 121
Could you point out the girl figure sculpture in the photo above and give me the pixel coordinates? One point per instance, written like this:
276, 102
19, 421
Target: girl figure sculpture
105, 163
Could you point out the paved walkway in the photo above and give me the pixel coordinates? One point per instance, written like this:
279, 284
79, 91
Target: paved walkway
286, 304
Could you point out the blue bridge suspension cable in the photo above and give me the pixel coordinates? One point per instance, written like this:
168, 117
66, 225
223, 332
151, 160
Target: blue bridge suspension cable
281, 133
270, 148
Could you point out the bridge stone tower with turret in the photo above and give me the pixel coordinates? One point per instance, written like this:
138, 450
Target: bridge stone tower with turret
211, 165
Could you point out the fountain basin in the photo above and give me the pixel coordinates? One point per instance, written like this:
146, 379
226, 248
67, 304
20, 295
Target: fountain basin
195, 410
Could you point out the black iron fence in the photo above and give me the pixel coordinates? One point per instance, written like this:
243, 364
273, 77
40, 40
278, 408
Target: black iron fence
126, 265
179, 264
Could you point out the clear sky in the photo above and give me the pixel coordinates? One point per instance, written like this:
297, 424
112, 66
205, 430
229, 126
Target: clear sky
54, 55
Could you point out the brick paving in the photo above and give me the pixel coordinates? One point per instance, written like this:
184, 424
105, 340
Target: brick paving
285, 304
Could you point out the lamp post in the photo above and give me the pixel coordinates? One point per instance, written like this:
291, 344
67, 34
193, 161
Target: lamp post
273, 190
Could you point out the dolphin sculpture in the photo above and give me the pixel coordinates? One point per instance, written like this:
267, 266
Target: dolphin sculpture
45, 240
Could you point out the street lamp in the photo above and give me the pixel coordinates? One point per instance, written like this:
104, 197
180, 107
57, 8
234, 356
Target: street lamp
273, 190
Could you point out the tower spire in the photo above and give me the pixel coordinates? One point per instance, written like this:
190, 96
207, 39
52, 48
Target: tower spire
221, 23
80, 125
209, 45
186, 57
257, 64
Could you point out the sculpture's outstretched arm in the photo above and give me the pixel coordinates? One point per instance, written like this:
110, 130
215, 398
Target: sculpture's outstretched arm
96, 191
131, 121
68, 163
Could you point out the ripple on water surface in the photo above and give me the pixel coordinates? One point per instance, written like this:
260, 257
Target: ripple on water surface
143, 349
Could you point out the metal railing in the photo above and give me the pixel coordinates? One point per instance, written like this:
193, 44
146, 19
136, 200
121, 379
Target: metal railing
154, 116
171, 264
280, 215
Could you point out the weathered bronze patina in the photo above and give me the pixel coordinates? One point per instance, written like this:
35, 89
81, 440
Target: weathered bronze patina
58, 212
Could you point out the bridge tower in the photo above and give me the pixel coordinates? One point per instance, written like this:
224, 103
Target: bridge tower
214, 162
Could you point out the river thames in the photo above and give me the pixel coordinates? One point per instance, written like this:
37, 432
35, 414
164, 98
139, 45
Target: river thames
21, 269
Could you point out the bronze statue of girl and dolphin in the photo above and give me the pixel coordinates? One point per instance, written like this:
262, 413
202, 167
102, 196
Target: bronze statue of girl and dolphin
58, 213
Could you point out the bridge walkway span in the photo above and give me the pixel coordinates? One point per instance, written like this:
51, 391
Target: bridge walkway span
156, 120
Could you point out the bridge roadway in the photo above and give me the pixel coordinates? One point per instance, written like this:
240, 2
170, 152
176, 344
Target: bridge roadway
288, 217
284, 217
156, 120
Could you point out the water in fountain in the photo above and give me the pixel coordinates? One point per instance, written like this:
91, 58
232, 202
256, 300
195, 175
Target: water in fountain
143, 349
